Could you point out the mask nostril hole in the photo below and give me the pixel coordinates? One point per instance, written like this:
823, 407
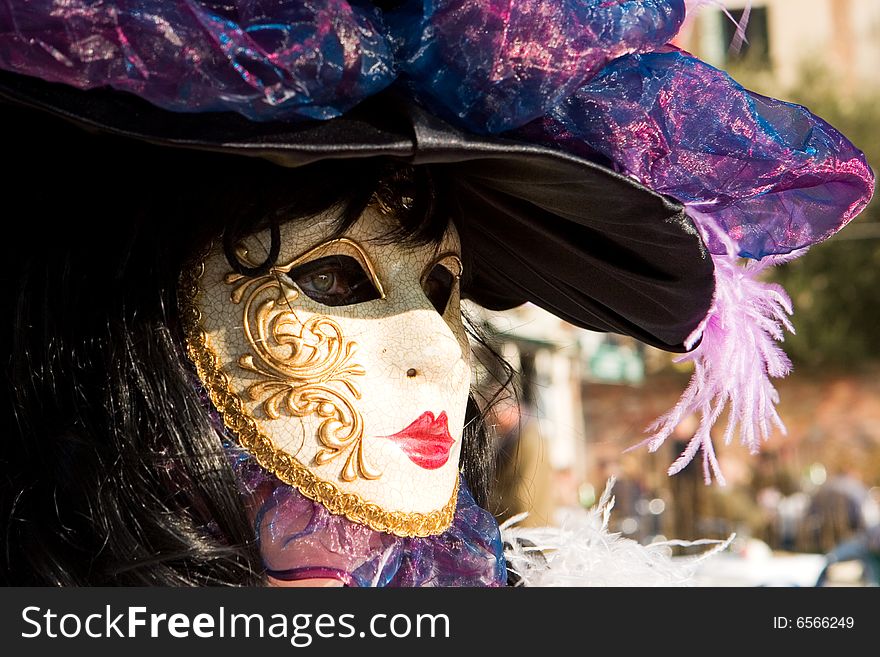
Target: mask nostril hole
411, 372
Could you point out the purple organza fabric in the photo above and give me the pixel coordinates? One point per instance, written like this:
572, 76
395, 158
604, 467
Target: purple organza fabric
494, 65
589, 76
300, 539
309, 59
772, 175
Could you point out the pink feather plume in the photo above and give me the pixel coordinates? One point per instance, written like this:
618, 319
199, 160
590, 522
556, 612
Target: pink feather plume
736, 357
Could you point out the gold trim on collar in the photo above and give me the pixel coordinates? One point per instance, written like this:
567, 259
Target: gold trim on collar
278, 462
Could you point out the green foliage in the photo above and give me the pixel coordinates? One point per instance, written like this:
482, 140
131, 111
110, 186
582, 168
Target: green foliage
837, 304
836, 287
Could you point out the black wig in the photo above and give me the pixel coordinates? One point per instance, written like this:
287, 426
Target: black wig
112, 472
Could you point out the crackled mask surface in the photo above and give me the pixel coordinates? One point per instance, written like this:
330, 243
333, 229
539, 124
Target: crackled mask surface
344, 369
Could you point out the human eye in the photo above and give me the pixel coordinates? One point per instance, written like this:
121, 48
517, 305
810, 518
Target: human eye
439, 281
335, 280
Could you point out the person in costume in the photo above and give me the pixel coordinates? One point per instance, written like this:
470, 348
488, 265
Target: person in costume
235, 348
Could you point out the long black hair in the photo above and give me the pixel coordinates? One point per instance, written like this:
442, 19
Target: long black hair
111, 471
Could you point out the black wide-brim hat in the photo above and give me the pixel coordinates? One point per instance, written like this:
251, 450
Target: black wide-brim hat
537, 224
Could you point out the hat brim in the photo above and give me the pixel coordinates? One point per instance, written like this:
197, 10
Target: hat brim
593, 247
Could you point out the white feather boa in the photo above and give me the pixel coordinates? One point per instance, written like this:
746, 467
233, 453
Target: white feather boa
584, 553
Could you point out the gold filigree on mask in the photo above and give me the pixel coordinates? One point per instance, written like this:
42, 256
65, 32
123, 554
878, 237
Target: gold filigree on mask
240, 420
306, 368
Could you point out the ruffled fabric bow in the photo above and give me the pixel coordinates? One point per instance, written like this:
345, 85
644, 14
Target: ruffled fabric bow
299, 539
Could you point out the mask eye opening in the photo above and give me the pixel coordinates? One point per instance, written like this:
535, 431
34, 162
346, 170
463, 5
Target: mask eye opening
335, 280
440, 279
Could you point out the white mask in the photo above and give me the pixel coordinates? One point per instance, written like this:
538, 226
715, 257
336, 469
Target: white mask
359, 406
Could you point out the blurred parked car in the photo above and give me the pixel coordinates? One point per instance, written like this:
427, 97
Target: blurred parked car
855, 562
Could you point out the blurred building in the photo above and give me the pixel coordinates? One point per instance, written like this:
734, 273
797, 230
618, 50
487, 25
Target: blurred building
584, 398
787, 38
542, 448
547, 456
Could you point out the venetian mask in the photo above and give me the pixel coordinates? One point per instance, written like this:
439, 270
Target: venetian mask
344, 369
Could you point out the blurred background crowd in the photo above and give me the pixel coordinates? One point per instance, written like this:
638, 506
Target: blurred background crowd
809, 504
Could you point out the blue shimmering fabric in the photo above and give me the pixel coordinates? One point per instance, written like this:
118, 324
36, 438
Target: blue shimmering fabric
588, 76
775, 177
299, 539
494, 65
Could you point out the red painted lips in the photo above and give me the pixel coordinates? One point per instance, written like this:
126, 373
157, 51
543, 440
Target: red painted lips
426, 441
